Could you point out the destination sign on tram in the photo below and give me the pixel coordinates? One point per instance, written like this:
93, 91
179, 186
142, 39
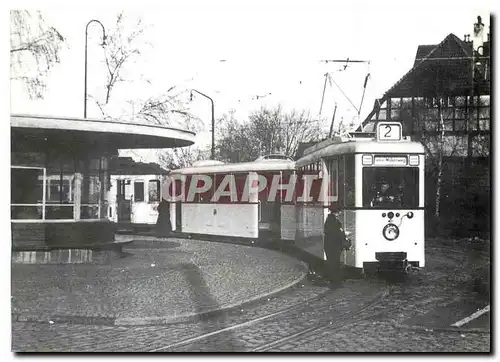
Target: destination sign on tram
389, 131
390, 161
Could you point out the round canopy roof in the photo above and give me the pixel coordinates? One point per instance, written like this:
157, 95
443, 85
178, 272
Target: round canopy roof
39, 132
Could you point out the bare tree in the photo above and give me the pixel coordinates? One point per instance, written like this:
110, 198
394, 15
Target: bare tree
236, 142
436, 135
182, 157
125, 43
298, 126
121, 48
269, 130
168, 109
34, 49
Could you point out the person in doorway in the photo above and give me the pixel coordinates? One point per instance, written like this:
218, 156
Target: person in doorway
334, 242
163, 224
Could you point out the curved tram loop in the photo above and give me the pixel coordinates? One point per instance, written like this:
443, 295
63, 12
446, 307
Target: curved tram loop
291, 323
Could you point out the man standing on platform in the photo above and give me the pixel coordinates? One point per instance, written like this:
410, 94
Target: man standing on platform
334, 242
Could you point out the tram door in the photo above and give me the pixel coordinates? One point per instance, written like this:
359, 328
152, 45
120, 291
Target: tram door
123, 201
269, 213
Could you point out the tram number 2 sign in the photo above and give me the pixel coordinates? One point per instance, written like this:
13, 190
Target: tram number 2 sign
389, 131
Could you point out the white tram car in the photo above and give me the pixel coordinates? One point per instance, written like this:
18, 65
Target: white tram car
379, 186
133, 200
254, 215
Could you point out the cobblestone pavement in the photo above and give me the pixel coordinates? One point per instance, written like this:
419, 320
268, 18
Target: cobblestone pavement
402, 321
172, 282
79, 337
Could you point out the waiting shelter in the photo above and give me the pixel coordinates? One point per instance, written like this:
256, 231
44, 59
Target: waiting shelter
60, 177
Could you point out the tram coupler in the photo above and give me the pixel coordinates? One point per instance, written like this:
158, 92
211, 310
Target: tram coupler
411, 268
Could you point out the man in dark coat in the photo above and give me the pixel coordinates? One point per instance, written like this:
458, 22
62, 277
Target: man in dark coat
334, 241
163, 224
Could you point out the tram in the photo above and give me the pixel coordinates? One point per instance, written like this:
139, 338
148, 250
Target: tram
134, 193
237, 200
134, 199
378, 184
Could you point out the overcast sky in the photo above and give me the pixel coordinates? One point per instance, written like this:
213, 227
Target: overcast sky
273, 51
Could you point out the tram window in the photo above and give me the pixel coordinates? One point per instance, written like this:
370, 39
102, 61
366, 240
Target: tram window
349, 191
154, 190
394, 187
138, 191
333, 169
240, 180
218, 179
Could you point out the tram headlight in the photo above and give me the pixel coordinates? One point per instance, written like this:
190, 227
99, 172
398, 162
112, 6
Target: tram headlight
390, 232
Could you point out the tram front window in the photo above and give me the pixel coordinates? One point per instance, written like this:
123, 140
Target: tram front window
390, 187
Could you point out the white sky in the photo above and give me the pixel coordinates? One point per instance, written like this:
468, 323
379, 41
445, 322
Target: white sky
268, 48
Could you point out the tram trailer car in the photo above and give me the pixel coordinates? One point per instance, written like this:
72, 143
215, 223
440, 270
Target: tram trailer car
378, 183
214, 211
133, 200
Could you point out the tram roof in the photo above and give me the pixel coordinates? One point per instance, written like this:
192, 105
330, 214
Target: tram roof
256, 166
360, 146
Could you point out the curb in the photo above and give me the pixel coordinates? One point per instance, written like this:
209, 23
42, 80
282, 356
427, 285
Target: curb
103, 321
195, 316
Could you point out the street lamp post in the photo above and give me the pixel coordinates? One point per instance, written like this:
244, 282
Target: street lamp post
213, 120
85, 82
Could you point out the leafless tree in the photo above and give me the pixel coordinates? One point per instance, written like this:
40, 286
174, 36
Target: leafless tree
121, 47
268, 130
236, 142
440, 144
182, 157
125, 43
34, 49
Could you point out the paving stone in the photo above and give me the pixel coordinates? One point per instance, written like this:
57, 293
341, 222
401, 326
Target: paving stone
153, 285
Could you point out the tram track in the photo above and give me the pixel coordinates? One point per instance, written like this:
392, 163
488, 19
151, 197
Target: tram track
300, 313
337, 323
246, 323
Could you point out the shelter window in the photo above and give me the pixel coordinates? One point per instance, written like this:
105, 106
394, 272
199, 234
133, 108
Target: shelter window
26, 193
94, 184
